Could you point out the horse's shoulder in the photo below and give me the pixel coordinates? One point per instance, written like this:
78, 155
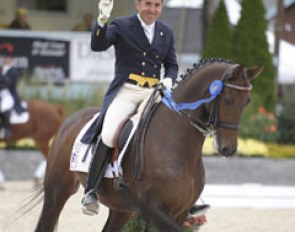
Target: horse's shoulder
85, 113
79, 118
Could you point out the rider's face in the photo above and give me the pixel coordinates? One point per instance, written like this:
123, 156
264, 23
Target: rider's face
149, 10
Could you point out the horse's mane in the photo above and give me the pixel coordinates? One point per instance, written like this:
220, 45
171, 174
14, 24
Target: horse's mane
198, 66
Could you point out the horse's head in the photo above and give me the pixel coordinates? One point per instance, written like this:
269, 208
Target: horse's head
229, 105
229, 86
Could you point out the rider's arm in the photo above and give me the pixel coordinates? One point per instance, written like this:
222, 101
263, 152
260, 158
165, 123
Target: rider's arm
103, 36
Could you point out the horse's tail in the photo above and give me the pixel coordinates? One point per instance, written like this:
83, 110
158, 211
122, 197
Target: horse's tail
27, 206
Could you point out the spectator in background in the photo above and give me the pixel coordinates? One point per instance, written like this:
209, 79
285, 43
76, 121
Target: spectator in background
20, 20
86, 24
9, 98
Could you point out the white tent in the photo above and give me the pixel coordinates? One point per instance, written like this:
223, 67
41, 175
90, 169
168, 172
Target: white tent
286, 63
233, 7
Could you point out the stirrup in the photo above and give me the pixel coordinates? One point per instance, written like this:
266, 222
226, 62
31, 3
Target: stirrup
90, 204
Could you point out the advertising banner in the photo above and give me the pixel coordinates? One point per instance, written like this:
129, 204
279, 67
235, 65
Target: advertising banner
44, 59
90, 66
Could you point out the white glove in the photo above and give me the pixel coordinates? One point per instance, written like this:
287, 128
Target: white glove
167, 82
105, 8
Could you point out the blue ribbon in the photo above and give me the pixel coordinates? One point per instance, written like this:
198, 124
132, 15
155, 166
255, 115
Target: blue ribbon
215, 88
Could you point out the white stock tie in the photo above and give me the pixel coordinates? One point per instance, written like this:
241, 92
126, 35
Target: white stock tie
148, 33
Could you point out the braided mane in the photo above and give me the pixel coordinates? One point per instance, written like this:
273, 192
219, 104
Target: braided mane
201, 64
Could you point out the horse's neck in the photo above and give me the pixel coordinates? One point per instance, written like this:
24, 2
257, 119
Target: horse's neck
178, 129
189, 91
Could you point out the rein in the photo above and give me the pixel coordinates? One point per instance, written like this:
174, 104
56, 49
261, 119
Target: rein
216, 87
206, 128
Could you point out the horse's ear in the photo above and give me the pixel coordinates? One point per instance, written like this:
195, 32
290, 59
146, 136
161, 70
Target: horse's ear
255, 71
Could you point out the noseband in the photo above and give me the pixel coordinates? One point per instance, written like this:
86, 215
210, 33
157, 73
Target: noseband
210, 127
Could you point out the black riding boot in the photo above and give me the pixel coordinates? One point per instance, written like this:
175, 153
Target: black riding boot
97, 169
6, 123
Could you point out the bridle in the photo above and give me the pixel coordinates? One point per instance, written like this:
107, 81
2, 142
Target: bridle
210, 128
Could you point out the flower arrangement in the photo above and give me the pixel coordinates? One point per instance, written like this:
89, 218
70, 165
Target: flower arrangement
137, 224
193, 224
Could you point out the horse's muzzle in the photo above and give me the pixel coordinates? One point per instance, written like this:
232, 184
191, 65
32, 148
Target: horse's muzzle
228, 151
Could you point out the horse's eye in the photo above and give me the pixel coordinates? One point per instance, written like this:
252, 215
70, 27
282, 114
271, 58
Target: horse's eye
227, 100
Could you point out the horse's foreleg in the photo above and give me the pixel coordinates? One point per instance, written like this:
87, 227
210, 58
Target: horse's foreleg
116, 220
161, 220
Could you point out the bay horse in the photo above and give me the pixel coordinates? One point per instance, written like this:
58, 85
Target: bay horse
44, 121
172, 175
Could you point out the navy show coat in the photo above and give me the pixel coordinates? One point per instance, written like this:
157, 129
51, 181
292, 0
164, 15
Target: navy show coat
134, 54
9, 81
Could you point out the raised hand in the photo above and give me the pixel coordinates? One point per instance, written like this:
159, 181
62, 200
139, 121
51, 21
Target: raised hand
105, 8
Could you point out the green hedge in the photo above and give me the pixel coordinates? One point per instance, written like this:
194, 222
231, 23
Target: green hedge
137, 224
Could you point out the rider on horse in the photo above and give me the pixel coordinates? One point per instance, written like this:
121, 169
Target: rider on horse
9, 98
142, 46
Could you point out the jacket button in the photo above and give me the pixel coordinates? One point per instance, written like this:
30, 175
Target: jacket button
144, 53
143, 63
142, 73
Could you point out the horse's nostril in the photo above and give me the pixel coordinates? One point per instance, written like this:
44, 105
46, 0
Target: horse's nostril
227, 151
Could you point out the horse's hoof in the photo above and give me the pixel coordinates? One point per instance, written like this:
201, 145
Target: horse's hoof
2, 188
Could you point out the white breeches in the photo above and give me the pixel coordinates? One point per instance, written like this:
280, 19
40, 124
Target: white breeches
122, 105
7, 101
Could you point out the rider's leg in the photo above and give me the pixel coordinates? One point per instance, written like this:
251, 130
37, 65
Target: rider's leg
123, 105
6, 123
6, 105
97, 169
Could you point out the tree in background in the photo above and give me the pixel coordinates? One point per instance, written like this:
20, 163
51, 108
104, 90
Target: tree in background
251, 48
209, 7
218, 41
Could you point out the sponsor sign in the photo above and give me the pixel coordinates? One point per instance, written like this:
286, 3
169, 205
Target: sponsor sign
43, 58
90, 66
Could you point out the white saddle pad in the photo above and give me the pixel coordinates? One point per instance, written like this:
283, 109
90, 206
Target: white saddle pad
77, 162
16, 118
79, 150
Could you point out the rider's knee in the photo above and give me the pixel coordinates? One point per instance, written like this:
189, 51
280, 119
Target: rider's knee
108, 138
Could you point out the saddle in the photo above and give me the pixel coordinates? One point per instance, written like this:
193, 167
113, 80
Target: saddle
82, 153
126, 131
